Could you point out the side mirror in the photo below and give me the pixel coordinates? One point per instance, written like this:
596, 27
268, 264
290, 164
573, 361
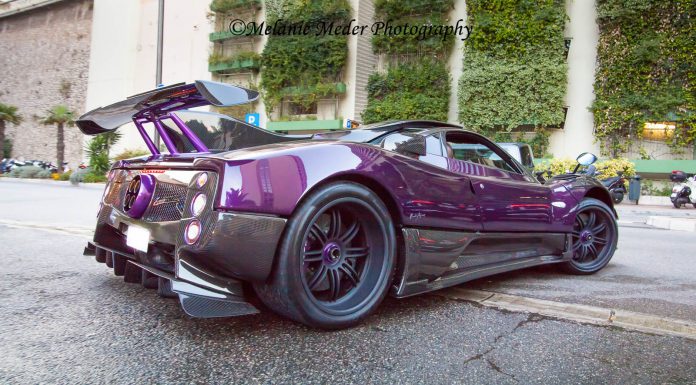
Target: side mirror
540, 176
414, 146
585, 159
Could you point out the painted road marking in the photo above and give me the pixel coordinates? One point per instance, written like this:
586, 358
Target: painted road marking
624, 319
72, 230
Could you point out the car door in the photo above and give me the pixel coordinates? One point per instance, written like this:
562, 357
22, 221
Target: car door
436, 198
509, 199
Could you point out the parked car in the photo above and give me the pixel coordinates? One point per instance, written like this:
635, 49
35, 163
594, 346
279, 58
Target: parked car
324, 226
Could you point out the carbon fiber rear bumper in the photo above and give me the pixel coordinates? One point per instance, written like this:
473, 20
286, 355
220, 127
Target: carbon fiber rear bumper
206, 276
200, 298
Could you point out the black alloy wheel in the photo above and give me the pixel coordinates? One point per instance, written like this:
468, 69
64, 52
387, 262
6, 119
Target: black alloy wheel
336, 258
595, 235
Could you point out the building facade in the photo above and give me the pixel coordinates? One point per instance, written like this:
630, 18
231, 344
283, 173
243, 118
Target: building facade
44, 62
105, 50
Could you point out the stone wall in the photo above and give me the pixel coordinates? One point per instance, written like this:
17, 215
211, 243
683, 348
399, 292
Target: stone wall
44, 61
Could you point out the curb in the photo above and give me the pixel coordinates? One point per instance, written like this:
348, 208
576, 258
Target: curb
624, 319
654, 200
672, 223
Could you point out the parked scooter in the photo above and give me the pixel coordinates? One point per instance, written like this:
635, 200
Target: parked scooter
616, 186
682, 192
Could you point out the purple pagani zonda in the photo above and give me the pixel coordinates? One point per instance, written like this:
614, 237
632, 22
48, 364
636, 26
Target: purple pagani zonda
323, 226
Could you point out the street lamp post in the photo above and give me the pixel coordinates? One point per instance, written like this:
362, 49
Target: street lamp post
160, 44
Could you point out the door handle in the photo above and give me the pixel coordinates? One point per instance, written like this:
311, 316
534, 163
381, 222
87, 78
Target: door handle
471, 186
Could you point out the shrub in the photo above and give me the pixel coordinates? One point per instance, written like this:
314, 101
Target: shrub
78, 175
556, 166
605, 169
609, 168
43, 174
87, 175
98, 151
29, 171
131, 153
94, 178
65, 176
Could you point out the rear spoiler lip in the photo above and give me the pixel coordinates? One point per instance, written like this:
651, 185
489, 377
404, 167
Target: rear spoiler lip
160, 102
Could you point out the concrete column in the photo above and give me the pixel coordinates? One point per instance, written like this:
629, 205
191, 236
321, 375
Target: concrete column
456, 61
578, 133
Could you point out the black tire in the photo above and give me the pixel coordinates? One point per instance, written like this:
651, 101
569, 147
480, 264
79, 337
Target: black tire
595, 236
336, 259
618, 197
676, 204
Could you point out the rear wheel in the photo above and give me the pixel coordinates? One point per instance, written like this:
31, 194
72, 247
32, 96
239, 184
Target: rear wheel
336, 258
595, 235
618, 197
676, 203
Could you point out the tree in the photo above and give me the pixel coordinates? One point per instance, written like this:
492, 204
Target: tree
8, 114
59, 116
98, 151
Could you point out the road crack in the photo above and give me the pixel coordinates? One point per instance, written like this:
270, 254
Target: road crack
531, 318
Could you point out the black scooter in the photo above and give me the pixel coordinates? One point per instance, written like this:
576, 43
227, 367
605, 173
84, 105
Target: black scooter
616, 186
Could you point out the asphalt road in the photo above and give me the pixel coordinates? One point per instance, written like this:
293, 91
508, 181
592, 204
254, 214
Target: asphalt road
66, 319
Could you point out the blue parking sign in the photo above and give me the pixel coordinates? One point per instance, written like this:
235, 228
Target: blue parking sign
252, 118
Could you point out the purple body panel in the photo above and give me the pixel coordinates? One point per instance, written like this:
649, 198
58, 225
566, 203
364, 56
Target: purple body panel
273, 179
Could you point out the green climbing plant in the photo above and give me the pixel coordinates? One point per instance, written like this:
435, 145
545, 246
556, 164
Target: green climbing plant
311, 63
419, 86
646, 71
515, 72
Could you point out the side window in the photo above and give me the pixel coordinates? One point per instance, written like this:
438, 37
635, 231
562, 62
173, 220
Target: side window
470, 149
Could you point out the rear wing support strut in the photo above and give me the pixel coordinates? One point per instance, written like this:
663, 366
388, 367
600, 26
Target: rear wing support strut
166, 138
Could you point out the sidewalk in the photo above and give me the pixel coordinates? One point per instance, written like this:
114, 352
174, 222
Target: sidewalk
51, 182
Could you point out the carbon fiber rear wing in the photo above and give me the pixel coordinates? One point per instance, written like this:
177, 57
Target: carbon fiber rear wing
152, 106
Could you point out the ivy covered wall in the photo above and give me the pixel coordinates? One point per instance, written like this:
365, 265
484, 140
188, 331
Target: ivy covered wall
417, 83
303, 68
646, 71
515, 71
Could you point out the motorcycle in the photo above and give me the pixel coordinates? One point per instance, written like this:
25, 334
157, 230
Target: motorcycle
682, 190
616, 186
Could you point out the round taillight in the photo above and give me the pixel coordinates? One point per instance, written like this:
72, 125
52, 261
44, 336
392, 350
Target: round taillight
198, 204
202, 180
193, 231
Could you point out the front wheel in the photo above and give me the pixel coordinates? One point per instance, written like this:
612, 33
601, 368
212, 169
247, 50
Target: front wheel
595, 235
335, 261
